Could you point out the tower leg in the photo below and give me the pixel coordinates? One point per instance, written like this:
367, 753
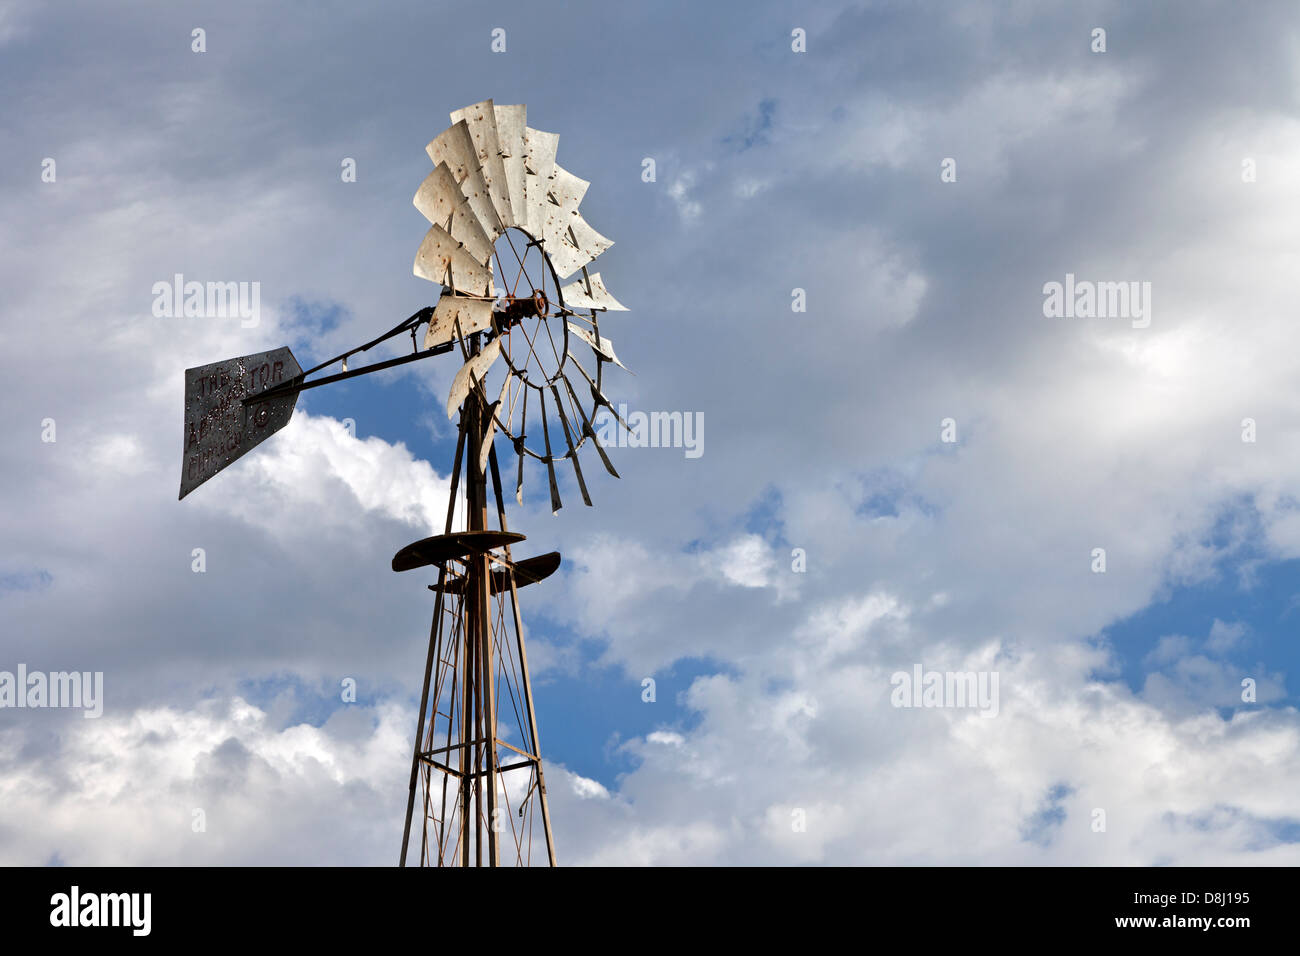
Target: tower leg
469, 730
525, 680
434, 641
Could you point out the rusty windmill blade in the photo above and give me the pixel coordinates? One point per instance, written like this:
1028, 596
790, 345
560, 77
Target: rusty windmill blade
512, 124
455, 147
589, 292
441, 201
598, 342
481, 123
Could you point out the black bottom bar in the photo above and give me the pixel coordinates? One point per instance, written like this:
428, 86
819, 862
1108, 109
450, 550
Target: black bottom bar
1222, 907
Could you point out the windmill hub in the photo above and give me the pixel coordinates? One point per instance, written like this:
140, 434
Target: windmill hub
517, 308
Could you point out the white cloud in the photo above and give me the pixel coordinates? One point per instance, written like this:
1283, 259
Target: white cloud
679, 190
317, 469
588, 789
746, 561
124, 789
1224, 636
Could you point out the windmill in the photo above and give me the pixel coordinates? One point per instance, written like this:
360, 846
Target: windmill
499, 207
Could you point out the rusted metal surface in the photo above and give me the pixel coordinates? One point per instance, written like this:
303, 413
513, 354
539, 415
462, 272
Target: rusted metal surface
576, 245
441, 202
570, 241
220, 427
441, 548
443, 260
601, 343
523, 306
528, 571
511, 123
539, 170
470, 315
573, 452
490, 431
566, 257
587, 429
455, 147
590, 293
567, 189
473, 370
556, 503
478, 627
480, 118
587, 240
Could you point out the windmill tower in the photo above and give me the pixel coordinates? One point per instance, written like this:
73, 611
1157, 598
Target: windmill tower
499, 208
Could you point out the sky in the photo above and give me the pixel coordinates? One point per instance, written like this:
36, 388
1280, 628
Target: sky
842, 265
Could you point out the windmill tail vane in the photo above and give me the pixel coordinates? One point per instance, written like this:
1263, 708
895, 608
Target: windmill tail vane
500, 209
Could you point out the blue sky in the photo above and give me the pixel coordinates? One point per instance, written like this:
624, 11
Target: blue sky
829, 536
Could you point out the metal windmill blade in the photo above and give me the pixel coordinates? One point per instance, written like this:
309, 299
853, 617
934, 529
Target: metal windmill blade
496, 179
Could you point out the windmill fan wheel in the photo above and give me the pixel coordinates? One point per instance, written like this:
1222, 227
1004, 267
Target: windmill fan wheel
505, 232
